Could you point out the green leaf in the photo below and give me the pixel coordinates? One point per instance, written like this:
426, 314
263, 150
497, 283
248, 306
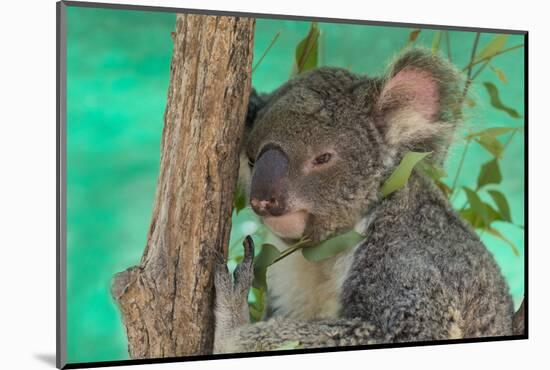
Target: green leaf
492, 214
498, 235
256, 304
260, 278
289, 345
267, 255
436, 41
307, 50
477, 207
489, 174
401, 175
497, 103
500, 74
432, 171
502, 204
413, 35
255, 314
239, 200
492, 131
332, 247
491, 144
493, 47
444, 188
472, 217
471, 102
476, 219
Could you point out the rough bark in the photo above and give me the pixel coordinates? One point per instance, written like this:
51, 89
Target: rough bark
167, 300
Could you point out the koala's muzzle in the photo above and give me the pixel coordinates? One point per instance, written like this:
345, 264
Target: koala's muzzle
267, 188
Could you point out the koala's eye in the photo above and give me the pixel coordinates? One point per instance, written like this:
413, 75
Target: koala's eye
322, 159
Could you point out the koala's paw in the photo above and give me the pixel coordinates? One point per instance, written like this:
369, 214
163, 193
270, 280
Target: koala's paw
232, 295
244, 273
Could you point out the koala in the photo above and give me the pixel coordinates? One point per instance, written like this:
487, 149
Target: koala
319, 148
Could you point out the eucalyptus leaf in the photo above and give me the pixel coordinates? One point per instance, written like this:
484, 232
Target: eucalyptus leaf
436, 42
475, 218
497, 103
267, 255
472, 217
256, 304
497, 234
332, 247
401, 175
471, 102
492, 131
500, 74
489, 174
289, 345
260, 278
239, 199
492, 214
413, 35
491, 144
502, 204
444, 188
307, 50
477, 206
432, 171
494, 47
255, 314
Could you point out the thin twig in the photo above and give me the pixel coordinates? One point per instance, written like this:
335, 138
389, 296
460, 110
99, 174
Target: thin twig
509, 139
448, 43
481, 69
459, 169
473, 63
287, 252
266, 51
464, 94
469, 73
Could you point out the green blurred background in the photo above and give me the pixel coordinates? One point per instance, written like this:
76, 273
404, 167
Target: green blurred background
117, 80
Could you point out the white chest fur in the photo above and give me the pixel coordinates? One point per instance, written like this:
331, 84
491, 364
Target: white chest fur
300, 289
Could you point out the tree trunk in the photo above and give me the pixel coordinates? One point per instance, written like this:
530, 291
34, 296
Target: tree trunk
167, 301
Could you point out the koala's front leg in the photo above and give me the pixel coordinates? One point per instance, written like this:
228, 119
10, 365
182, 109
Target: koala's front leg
232, 298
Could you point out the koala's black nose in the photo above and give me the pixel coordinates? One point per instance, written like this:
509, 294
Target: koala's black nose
267, 188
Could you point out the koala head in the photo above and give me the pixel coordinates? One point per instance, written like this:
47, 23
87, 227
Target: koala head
320, 146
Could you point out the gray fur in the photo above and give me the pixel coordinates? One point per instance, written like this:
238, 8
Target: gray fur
423, 273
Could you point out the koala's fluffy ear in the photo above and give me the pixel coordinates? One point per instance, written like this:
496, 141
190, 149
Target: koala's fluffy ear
255, 103
419, 102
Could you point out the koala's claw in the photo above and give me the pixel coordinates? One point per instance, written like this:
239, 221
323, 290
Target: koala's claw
244, 273
248, 245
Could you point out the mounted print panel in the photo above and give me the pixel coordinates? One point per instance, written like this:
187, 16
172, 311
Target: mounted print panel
235, 185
